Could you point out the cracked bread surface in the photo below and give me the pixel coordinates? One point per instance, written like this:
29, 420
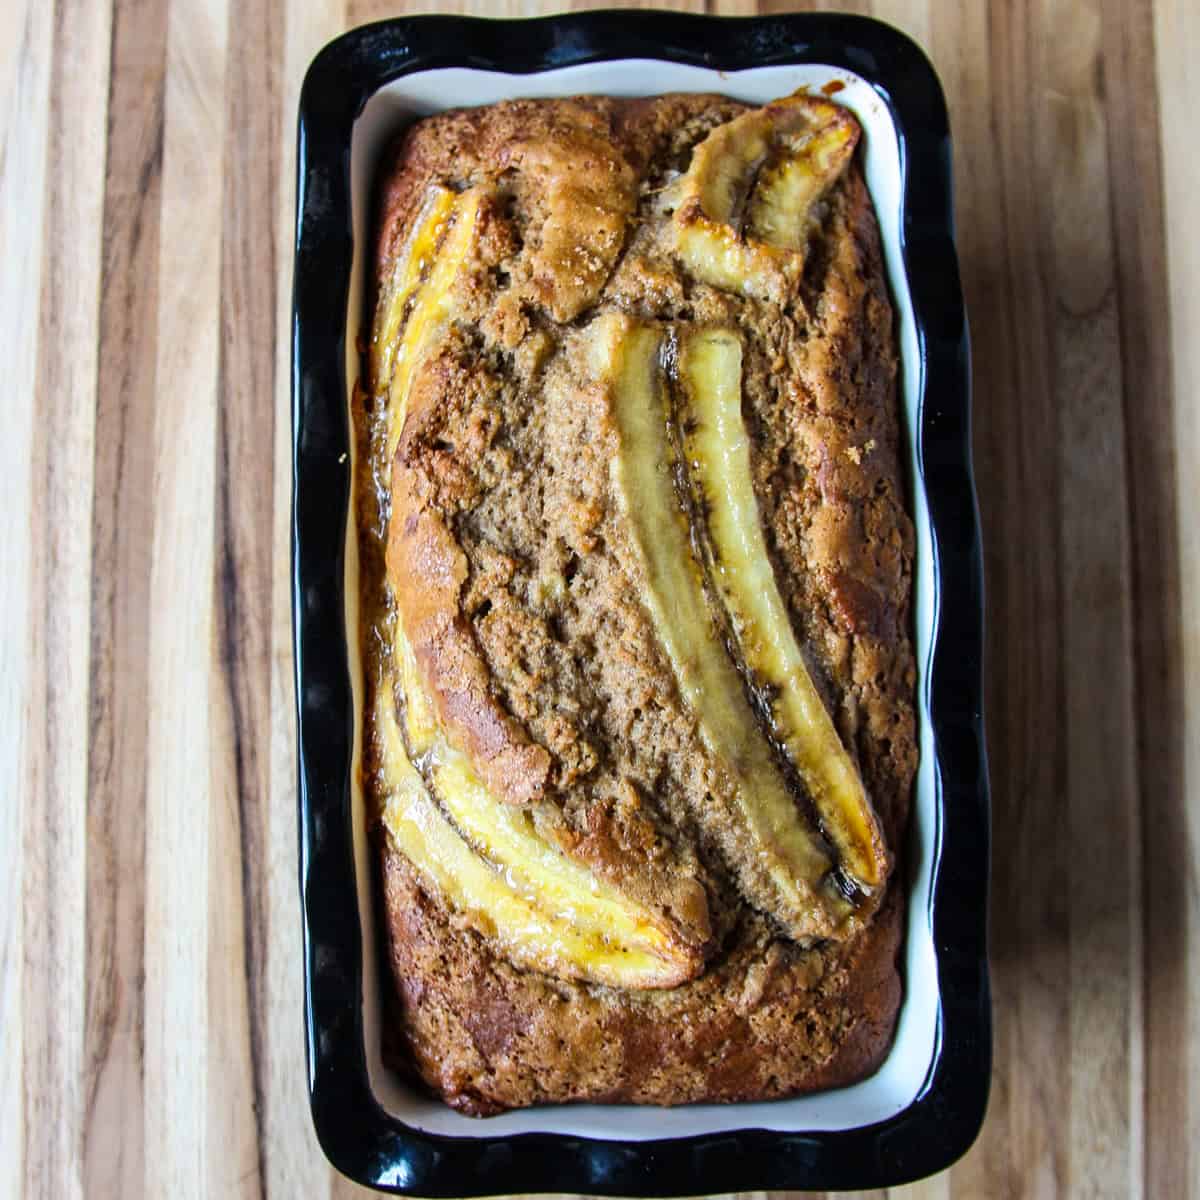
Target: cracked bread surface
491, 536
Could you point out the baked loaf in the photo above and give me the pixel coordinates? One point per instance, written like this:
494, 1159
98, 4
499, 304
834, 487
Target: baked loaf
635, 582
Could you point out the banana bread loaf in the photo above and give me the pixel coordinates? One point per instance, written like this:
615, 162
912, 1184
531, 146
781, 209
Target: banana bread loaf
639, 730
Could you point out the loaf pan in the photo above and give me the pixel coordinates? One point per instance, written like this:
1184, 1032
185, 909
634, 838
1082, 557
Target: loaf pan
924, 1106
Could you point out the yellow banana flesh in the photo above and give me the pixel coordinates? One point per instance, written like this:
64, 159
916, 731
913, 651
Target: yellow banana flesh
411, 265
780, 211
422, 298
496, 902
783, 863
599, 934
718, 457
745, 207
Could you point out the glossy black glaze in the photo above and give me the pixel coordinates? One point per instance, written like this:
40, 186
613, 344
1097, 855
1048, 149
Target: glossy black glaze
358, 1136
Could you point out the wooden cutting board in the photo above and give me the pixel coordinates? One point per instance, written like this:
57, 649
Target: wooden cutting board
150, 1009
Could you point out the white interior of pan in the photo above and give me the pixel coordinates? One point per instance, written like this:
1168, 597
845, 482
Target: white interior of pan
901, 1078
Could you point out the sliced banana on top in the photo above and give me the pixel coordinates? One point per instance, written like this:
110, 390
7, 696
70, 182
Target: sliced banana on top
749, 200
568, 931
717, 449
412, 263
486, 861
781, 210
420, 302
781, 862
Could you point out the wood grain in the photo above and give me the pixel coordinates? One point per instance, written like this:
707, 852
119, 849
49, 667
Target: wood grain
187, 1095
1171, 647
60, 574
122, 542
150, 1005
24, 1069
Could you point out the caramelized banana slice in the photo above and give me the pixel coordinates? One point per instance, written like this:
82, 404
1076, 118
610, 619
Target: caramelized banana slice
444, 232
718, 454
599, 933
781, 211
498, 902
781, 862
712, 196
747, 202
408, 270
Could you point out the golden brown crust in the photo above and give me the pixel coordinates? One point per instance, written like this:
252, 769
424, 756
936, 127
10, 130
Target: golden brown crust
509, 568
769, 1021
588, 192
427, 570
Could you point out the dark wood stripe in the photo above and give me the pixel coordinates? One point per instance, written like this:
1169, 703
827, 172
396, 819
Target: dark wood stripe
122, 536
1137, 200
245, 482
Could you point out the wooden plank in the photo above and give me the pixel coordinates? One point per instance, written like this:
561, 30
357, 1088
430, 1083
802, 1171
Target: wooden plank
913, 17
359, 12
1172, 658
181, 1109
26, 39
122, 535
983, 57
1102, 846
240, 785
937, 1187
1141, 280
60, 576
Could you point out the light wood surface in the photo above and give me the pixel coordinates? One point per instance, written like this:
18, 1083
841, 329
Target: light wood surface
150, 1002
